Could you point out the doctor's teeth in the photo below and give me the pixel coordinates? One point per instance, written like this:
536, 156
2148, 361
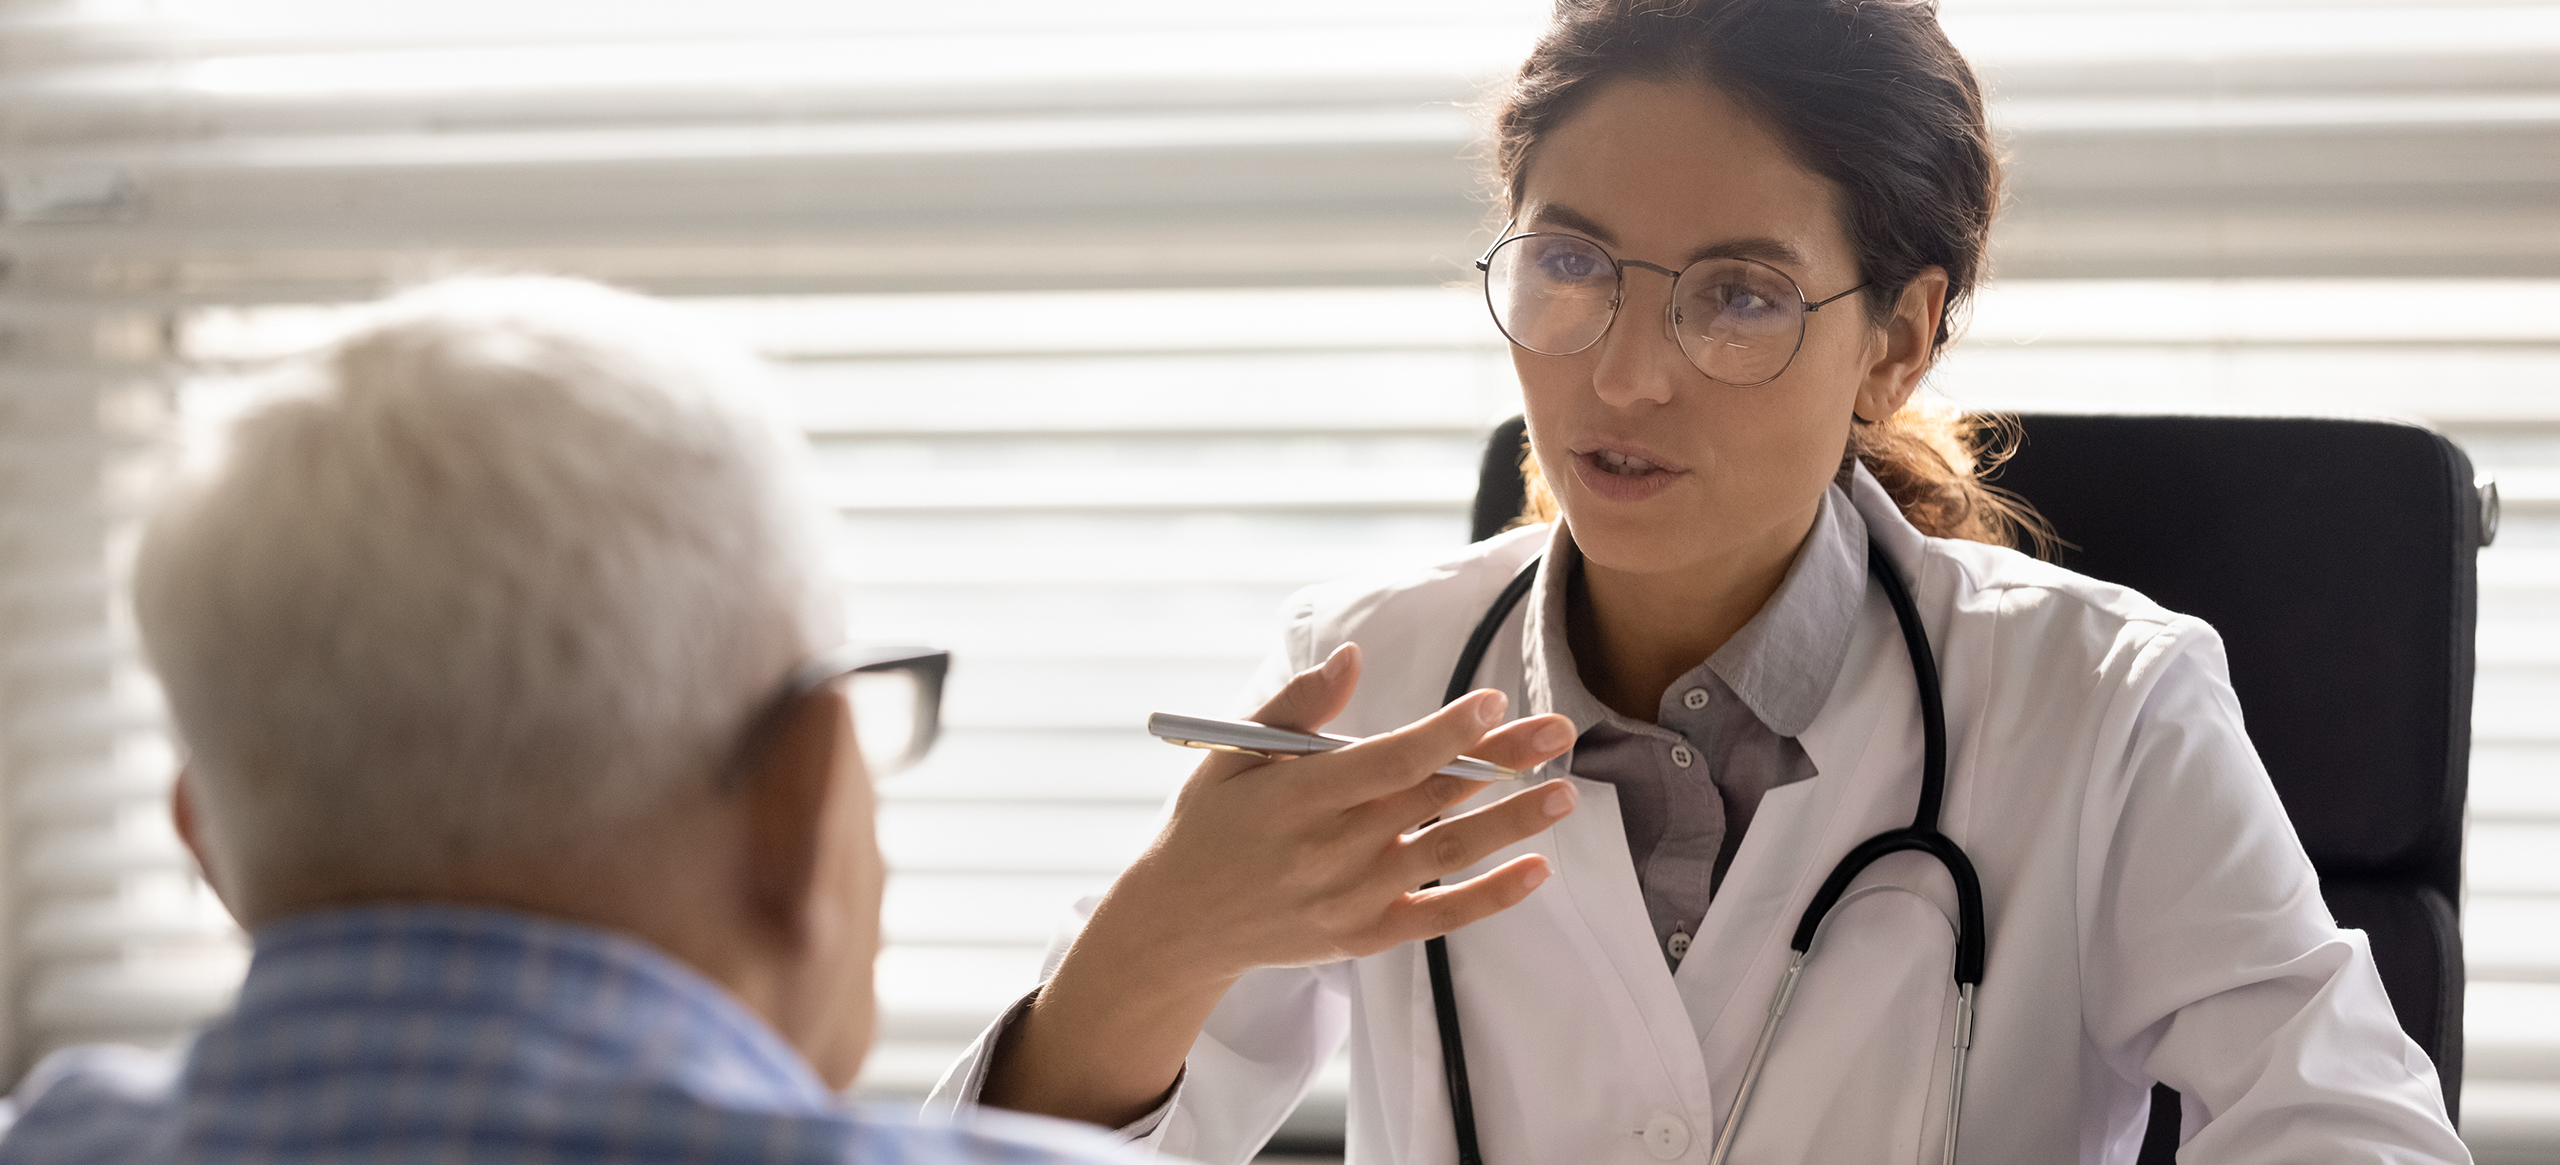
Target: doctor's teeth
1616, 462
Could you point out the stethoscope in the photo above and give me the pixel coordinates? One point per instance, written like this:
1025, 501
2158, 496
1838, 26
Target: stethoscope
1922, 835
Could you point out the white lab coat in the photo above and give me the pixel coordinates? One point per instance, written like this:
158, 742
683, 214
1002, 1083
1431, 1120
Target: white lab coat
2151, 914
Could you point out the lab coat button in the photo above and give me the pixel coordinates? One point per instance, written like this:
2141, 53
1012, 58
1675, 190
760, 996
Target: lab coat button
1694, 699
1682, 756
1667, 1137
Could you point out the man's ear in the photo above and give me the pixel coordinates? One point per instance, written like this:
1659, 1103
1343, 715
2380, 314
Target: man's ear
190, 826
784, 791
1908, 347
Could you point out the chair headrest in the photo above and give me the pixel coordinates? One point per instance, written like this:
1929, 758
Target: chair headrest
1500, 492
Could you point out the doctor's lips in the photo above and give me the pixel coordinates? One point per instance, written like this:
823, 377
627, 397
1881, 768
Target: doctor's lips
1623, 471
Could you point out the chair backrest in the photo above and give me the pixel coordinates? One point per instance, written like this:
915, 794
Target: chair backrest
2336, 559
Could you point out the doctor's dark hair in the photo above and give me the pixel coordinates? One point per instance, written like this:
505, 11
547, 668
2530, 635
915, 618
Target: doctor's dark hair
1868, 94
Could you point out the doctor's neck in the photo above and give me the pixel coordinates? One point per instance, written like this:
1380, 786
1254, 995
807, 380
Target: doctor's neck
1634, 633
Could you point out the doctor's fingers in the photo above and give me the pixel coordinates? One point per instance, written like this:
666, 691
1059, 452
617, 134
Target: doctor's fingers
1432, 912
1312, 698
1521, 744
1442, 849
1525, 743
1398, 760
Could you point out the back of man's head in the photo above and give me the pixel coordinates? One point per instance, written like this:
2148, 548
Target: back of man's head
510, 566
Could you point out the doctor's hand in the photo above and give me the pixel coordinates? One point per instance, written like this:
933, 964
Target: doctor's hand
1277, 863
1324, 857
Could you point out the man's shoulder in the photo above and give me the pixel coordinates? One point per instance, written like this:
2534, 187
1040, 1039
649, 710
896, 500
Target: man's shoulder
691, 1130
91, 1104
125, 1106
990, 1136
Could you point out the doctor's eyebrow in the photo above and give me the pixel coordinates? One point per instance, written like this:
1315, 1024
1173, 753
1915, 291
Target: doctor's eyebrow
1775, 252
1573, 220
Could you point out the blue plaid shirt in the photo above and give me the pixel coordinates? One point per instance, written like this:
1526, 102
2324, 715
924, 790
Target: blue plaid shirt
439, 1034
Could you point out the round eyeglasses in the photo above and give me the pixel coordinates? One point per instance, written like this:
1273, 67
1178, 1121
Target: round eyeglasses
1739, 320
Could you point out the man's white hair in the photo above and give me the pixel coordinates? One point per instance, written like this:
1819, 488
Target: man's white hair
499, 571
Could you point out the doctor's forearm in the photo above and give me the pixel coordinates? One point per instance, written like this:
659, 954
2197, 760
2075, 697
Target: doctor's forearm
1105, 1039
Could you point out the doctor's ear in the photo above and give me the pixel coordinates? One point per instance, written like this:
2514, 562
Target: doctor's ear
1901, 352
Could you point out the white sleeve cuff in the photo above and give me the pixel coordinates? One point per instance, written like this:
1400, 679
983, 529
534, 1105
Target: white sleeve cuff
967, 1081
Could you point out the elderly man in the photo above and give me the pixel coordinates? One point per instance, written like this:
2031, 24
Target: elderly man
491, 641
508, 671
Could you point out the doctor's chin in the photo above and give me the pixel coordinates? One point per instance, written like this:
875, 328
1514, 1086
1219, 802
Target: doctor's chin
1723, 582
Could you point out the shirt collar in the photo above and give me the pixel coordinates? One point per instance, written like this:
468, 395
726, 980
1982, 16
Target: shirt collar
603, 995
1782, 664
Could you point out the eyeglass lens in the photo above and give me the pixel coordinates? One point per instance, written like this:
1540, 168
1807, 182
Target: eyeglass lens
894, 717
1740, 322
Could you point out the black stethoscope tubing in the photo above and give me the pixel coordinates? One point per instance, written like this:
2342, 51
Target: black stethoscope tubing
1921, 835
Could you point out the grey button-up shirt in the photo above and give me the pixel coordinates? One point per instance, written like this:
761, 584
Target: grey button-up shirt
1724, 733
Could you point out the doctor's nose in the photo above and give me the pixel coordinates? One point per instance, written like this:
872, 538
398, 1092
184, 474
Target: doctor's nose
1639, 359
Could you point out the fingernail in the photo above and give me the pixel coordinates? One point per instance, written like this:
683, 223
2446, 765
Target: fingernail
1489, 707
1561, 799
1552, 737
1536, 878
1334, 663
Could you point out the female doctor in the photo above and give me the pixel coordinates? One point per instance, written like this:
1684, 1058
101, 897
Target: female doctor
1770, 616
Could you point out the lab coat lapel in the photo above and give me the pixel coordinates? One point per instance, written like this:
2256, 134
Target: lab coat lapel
1858, 747
1864, 748
1593, 901
1567, 1005
1591, 861
1865, 751
1795, 838
1590, 855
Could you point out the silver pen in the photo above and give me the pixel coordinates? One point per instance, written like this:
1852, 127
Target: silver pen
1263, 740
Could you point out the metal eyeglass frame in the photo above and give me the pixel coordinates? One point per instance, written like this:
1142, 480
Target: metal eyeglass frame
1617, 299
928, 665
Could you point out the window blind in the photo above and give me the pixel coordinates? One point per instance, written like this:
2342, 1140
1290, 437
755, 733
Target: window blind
1114, 323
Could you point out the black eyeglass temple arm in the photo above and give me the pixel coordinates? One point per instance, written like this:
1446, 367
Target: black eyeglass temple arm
1811, 308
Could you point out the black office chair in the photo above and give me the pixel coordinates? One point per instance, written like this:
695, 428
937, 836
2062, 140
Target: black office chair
2336, 559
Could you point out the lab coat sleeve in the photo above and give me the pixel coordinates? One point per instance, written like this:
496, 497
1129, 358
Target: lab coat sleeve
1262, 1047
965, 1081
1254, 1061
2210, 962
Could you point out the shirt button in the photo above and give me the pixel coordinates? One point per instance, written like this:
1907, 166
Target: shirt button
1694, 698
1666, 1137
1678, 946
1681, 756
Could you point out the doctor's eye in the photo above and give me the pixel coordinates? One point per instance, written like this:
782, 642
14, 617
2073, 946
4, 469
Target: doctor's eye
1740, 301
1735, 297
1568, 260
